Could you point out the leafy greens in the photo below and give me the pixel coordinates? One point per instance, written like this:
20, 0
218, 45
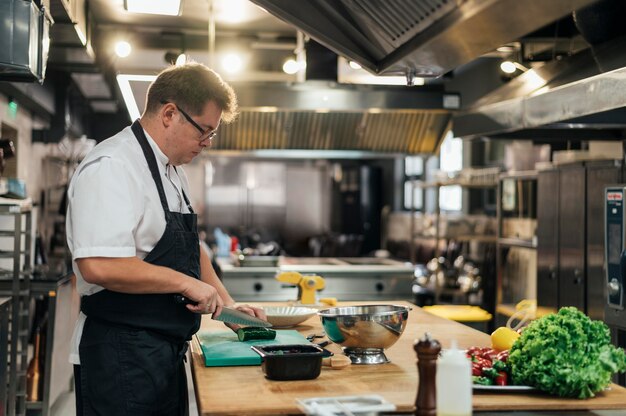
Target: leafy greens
566, 354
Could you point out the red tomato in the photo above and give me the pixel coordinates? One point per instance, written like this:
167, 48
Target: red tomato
502, 379
473, 350
484, 362
503, 356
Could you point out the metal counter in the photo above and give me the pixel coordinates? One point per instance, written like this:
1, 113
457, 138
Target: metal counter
346, 279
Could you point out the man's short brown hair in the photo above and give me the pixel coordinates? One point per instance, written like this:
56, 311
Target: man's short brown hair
192, 86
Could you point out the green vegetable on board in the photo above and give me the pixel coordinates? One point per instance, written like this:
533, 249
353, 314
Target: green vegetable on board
252, 333
566, 354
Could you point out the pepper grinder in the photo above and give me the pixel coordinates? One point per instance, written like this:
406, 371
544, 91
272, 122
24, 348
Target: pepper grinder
427, 350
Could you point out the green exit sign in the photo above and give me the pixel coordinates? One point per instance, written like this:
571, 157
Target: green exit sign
12, 109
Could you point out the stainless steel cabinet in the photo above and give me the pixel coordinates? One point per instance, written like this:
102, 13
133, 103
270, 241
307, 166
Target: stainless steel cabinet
548, 239
570, 235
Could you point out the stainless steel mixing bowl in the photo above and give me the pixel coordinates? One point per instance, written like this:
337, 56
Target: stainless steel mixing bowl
365, 331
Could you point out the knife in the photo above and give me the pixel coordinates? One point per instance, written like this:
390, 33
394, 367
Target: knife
230, 315
235, 316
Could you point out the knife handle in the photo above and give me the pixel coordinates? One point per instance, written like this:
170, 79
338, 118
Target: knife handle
184, 300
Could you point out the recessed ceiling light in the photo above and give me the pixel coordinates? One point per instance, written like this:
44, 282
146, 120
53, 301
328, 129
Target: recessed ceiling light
162, 7
290, 66
122, 48
354, 65
233, 11
232, 63
124, 80
508, 67
181, 59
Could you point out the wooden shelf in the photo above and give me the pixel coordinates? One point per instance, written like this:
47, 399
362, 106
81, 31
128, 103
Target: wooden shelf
521, 175
517, 242
480, 238
464, 184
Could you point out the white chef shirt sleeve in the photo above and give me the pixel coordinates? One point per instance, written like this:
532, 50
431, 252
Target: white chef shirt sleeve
106, 204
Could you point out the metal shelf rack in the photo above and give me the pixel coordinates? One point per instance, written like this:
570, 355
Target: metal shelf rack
505, 306
15, 283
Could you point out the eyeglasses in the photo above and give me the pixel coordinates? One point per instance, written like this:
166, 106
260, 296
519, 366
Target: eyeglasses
207, 134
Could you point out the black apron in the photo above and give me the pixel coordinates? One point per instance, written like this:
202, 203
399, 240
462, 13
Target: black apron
133, 345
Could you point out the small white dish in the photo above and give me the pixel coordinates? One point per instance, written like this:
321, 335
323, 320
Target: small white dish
288, 316
511, 388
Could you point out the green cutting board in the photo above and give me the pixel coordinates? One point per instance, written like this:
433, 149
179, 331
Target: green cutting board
223, 349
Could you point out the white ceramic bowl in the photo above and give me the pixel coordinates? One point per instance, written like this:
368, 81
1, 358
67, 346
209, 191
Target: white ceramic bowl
287, 316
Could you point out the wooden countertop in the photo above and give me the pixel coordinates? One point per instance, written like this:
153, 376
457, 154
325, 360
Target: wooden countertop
245, 390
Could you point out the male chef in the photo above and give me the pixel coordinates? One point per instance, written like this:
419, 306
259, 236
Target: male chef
132, 233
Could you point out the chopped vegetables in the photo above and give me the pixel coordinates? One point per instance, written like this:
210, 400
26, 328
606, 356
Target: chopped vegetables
489, 366
252, 333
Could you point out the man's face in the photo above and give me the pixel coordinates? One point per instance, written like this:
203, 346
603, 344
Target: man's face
192, 133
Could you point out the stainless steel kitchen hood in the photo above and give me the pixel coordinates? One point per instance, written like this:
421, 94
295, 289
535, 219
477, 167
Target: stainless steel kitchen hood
385, 131
330, 116
417, 37
584, 95
327, 116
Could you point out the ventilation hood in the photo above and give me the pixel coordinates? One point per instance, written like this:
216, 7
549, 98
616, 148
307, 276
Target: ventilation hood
319, 115
424, 38
583, 96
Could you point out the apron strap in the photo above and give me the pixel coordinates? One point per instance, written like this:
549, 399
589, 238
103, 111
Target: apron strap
152, 163
184, 194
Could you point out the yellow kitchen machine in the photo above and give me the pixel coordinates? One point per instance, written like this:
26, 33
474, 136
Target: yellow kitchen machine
308, 286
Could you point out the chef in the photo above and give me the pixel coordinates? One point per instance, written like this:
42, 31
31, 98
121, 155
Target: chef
132, 233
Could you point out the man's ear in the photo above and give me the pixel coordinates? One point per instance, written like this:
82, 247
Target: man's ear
167, 114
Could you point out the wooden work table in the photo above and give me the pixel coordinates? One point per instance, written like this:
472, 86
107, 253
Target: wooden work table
246, 391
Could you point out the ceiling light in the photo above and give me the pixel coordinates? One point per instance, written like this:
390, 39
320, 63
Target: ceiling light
509, 67
232, 63
354, 65
182, 59
162, 7
290, 66
122, 48
124, 80
235, 11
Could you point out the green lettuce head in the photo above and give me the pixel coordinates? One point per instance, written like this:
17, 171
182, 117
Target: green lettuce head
566, 354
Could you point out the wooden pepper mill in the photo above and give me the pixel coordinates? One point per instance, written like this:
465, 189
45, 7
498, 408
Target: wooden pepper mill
427, 350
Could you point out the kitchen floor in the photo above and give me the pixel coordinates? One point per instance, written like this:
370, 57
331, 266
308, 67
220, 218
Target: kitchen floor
65, 405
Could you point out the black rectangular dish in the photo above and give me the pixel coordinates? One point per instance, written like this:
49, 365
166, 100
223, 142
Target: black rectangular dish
290, 362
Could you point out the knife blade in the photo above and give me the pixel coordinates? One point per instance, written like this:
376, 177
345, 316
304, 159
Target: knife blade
230, 315
235, 316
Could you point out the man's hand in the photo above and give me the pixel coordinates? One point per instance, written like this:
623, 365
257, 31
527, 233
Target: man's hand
250, 310
205, 295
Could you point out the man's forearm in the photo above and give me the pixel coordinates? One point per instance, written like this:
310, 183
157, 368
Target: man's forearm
131, 275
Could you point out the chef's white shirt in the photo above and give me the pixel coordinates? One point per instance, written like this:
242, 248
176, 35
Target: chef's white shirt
114, 208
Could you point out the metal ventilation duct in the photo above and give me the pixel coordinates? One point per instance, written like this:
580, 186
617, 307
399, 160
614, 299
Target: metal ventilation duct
583, 96
417, 37
389, 131
329, 116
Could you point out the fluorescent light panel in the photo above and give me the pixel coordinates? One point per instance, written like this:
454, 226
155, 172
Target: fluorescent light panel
123, 80
162, 7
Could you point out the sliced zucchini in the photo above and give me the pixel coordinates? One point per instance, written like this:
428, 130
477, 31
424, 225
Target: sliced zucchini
252, 333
